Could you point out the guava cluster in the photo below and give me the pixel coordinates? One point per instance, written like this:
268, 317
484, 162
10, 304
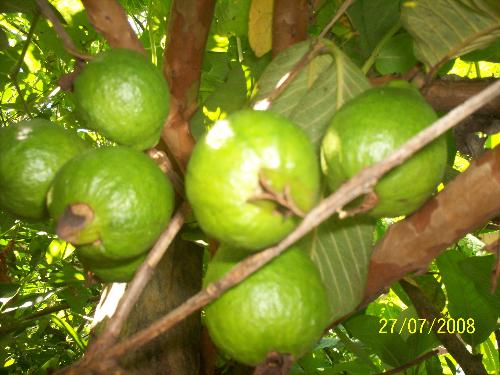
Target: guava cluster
111, 202
250, 181
253, 177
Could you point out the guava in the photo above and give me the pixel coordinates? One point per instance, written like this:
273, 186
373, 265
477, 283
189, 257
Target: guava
369, 128
113, 196
124, 97
280, 308
251, 178
93, 258
31, 152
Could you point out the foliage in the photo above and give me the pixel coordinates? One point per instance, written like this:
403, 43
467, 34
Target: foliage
47, 301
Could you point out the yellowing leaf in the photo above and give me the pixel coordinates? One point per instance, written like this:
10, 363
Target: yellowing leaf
260, 26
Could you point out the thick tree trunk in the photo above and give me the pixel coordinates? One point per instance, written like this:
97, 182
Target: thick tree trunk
178, 351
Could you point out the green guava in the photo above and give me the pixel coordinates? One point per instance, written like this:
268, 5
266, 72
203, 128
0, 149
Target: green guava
369, 128
93, 258
124, 97
251, 178
281, 308
31, 152
113, 196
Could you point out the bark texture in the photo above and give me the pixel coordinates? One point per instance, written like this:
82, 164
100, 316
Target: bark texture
186, 38
177, 352
290, 19
109, 18
466, 203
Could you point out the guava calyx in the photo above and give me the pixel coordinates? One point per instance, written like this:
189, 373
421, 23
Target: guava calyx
75, 218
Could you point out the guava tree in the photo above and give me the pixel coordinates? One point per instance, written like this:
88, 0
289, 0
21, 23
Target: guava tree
415, 294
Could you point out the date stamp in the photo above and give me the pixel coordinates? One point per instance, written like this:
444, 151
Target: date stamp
424, 326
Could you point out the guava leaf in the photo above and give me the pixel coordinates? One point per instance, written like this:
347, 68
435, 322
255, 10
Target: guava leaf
260, 22
443, 29
465, 301
372, 19
396, 56
232, 17
341, 250
321, 88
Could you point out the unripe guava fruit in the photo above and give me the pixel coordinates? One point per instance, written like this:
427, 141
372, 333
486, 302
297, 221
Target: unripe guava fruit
369, 128
251, 178
115, 197
31, 153
280, 308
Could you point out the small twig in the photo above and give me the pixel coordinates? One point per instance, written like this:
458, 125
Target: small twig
17, 67
360, 184
114, 326
370, 200
315, 49
162, 160
284, 200
494, 248
343, 8
68, 43
29, 37
412, 363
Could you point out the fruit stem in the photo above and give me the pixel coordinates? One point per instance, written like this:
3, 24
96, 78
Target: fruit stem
75, 218
283, 200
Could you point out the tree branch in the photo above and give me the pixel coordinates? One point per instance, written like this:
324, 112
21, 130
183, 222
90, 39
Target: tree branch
409, 245
68, 43
290, 20
186, 38
471, 364
412, 363
316, 48
109, 18
112, 329
360, 184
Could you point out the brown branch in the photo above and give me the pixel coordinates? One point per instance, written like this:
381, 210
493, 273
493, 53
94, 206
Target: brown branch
412, 363
112, 329
109, 18
290, 20
410, 245
445, 95
68, 43
470, 363
360, 184
163, 161
186, 38
316, 48
38, 314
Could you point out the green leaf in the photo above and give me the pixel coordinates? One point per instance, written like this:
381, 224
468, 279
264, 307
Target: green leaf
396, 56
443, 29
464, 300
432, 290
391, 348
490, 356
279, 67
372, 19
229, 96
232, 17
317, 92
69, 330
479, 270
6, 222
341, 250
490, 53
